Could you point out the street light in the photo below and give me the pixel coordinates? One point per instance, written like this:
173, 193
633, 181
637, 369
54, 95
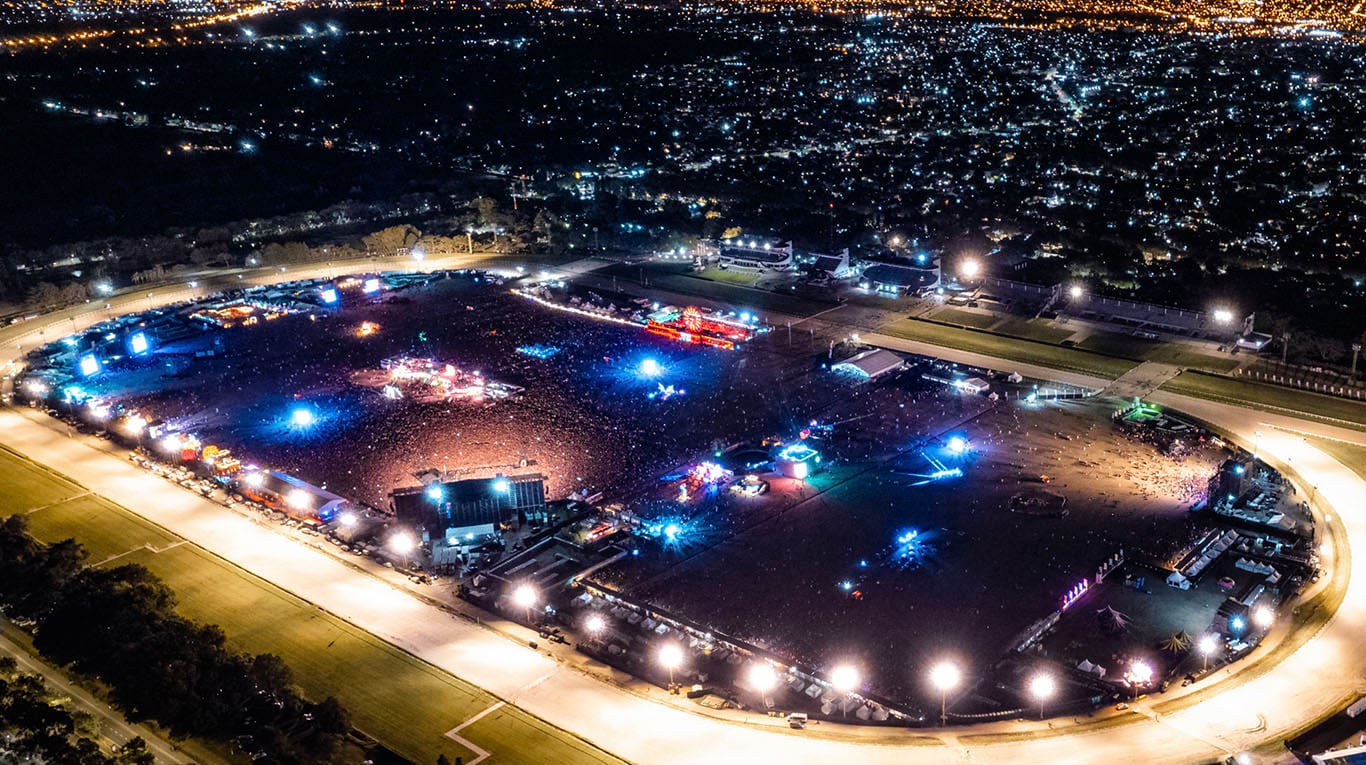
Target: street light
403, 544
1223, 315
969, 269
595, 625
525, 596
1207, 645
671, 656
1076, 291
1140, 673
945, 676
1042, 687
1263, 616
763, 678
845, 678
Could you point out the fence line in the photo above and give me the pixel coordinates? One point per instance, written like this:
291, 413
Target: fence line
1340, 390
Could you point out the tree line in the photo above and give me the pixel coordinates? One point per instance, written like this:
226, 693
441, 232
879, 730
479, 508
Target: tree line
36, 726
119, 625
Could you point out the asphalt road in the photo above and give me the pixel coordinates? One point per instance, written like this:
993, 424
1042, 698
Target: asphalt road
1258, 704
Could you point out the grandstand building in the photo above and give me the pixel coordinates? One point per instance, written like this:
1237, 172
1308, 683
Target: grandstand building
902, 276
1150, 319
831, 266
755, 254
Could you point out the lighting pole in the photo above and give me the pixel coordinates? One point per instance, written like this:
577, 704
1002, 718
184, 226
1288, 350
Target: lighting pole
1356, 351
1140, 673
763, 678
1207, 645
1042, 687
403, 544
525, 596
945, 676
845, 679
1263, 616
671, 656
595, 625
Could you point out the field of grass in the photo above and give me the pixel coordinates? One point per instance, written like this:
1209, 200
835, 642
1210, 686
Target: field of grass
103, 528
1180, 356
723, 276
1115, 344
1268, 396
965, 318
24, 486
1017, 349
1039, 330
398, 699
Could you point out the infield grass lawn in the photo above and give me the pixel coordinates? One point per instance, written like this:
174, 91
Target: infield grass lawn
1272, 397
401, 701
25, 486
103, 528
1014, 348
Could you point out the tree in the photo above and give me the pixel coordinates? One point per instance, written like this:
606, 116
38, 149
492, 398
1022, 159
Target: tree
276, 253
120, 626
387, 241
486, 208
270, 674
135, 752
331, 717
44, 294
546, 222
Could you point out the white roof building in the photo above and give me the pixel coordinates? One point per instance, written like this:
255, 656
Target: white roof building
871, 364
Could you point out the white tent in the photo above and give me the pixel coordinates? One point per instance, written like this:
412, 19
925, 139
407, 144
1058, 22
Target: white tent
1091, 669
973, 385
871, 364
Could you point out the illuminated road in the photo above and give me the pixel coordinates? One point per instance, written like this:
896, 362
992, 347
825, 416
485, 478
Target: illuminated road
1258, 704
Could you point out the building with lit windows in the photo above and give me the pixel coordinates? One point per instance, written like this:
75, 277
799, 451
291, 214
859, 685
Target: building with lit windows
755, 255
